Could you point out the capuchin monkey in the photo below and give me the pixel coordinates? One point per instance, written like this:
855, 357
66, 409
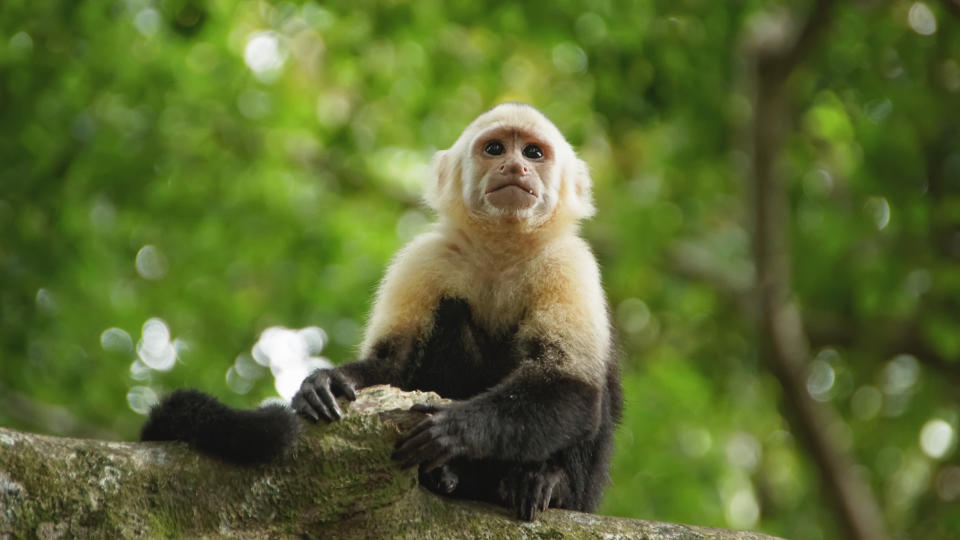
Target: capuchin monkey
498, 308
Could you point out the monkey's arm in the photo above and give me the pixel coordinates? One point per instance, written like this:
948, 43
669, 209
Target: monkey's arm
316, 398
401, 314
528, 417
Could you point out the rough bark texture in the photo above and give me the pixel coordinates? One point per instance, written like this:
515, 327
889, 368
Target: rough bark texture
338, 482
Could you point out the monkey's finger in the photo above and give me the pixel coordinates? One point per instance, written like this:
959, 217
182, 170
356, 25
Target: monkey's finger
330, 403
424, 426
525, 510
442, 459
302, 408
414, 440
344, 386
543, 497
436, 454
426, 408
551, 487
412, 452
414, 457
533, 497
432, 454
534, 492
314, 401
403, 453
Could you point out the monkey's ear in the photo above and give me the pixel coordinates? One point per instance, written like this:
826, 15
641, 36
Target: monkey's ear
578, 189
444, 170
438, 181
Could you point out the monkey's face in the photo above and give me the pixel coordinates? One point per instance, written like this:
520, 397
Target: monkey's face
512, 172
511, 165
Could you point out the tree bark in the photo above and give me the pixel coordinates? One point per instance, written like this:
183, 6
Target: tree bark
337, 482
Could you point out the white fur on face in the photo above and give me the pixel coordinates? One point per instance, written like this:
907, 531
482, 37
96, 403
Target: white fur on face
560, 180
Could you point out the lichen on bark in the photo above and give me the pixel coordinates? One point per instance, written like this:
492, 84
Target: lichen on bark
337, 481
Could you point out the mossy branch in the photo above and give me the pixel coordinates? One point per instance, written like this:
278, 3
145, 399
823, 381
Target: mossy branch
337, 482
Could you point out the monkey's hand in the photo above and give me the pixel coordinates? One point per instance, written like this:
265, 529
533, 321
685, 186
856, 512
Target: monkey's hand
436, 439
317, 397
531, 488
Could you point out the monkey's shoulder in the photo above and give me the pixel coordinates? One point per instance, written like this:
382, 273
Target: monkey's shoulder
455, 268
560, 278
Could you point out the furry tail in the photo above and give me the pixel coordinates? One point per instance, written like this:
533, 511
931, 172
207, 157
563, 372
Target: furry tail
238, 436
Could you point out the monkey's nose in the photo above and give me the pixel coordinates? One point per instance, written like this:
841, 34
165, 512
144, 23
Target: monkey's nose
513, 168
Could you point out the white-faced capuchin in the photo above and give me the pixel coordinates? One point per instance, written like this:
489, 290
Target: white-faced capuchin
498, 308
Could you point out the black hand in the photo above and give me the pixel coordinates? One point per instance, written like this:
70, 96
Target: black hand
316, 398
435, 440
529, 490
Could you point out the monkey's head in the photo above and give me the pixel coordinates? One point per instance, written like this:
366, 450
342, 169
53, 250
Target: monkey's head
511, 166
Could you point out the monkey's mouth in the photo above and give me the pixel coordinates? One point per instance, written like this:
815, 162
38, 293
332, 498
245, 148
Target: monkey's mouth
515, 183
518, 185
512, 195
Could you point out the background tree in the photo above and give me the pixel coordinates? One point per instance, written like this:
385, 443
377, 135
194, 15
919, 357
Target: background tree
178, 176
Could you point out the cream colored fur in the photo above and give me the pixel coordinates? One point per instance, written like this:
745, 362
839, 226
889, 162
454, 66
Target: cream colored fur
535, 272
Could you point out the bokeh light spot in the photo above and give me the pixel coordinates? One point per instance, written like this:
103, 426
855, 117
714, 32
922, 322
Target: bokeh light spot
141, 399
147, 21
21, 42
154, 347
569, 58
879, 210
921, 19
900, 374
820, 380
633, 315
290, 354
45, 301
744, 451
116, 340
237, 382
151, 263
936, 437
265, 55
742, 510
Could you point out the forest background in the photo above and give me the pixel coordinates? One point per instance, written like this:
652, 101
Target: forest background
206, 193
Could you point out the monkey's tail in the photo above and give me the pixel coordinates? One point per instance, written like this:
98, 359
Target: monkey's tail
238, 436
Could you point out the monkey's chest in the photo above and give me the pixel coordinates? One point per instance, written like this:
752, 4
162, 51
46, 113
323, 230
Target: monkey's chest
461, 357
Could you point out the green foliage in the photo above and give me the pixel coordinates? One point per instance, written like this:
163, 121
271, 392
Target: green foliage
276, 197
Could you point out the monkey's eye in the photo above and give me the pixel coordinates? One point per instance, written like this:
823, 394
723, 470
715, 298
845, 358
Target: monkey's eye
532, 151
494, 148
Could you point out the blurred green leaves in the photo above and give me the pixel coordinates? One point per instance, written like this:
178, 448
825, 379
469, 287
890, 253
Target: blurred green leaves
229, 167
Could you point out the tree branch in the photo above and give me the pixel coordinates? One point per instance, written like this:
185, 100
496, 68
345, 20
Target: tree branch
338, 482
774, 56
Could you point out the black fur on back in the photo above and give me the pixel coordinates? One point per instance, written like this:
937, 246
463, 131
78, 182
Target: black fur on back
238, 436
